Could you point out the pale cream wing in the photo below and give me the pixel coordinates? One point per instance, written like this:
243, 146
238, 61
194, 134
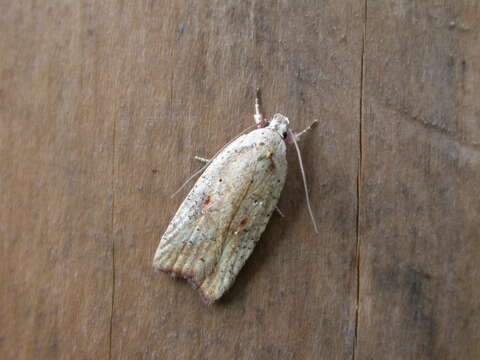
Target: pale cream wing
248, 225
201, 236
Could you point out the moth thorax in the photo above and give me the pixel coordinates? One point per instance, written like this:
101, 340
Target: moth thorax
279, 123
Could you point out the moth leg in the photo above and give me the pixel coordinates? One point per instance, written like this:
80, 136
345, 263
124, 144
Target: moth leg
258, 116
307, 129
279, 211
201, 159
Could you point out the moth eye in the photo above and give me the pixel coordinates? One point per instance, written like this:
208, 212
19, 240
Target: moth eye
285, 134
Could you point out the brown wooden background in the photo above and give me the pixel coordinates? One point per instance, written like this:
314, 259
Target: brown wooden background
103, 105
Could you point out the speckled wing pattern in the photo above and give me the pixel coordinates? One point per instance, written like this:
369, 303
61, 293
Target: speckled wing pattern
217, 226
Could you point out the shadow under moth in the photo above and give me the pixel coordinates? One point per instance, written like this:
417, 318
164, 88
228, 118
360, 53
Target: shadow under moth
219, 223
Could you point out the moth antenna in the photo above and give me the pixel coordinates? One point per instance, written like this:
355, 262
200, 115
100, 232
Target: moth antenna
199, 171
189, 179
310, 211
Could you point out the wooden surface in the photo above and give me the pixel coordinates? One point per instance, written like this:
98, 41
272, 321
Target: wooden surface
103, 106
420, 182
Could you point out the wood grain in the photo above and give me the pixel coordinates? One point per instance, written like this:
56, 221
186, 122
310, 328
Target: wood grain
103, 106
56, 152
420, 194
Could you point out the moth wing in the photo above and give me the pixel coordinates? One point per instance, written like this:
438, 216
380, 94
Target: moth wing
194, 238
247, 225
203, 242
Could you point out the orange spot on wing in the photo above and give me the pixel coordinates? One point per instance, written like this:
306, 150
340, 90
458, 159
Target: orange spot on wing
207, 200
240, 226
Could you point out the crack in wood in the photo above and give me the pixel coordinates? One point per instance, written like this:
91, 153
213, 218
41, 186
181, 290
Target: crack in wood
112, 233
359, 174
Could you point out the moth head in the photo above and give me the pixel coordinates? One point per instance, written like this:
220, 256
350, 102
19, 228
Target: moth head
279, 123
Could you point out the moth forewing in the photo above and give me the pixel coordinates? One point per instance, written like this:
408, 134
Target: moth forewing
217, 226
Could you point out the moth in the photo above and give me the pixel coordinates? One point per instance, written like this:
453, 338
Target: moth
219, 223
